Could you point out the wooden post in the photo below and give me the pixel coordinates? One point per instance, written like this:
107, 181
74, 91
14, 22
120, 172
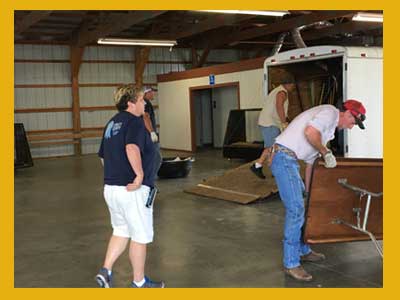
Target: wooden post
141, 58
203, 58
195, 58
76, 60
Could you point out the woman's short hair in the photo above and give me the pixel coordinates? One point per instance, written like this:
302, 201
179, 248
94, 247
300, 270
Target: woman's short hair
124, 94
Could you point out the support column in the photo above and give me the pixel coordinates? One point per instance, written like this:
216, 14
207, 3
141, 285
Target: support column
141, 58
76, 60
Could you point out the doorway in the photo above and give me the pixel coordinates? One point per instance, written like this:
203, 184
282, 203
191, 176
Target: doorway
209, 112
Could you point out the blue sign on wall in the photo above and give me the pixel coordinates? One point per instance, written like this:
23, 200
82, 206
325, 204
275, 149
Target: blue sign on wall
212, 79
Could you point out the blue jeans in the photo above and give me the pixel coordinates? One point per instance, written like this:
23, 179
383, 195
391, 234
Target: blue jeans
286, 171
269, 134
157, 160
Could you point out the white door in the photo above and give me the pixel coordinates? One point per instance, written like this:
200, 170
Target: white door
224, 99
365, 83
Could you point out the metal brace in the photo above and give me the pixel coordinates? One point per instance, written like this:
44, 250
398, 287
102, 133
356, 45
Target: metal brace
358, 227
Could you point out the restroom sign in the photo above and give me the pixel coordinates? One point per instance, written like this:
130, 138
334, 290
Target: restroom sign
212, 79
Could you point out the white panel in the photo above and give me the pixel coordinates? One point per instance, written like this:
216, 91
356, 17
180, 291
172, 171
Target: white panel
365, 83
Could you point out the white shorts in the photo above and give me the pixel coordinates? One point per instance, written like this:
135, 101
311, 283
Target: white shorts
129, 215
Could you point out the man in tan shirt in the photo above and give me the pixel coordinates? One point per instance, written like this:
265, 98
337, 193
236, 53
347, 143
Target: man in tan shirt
272, 120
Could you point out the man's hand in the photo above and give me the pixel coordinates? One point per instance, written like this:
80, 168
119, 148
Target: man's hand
284, 125
330, 160
154, 137
135, 184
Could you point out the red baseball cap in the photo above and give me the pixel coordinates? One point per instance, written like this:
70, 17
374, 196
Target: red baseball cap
357, 109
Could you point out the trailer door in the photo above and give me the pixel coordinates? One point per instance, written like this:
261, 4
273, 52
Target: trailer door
365, 83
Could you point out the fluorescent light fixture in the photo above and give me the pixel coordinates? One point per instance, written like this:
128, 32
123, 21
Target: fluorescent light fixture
136, 42
368, 17
275, 13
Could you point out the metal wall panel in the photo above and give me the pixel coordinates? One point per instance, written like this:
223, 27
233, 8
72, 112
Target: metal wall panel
96, 118
107, 73
43, 121
96, 96
41, 52
42, 73
90, 73
109, 53
91, 145
42, 97
57, 150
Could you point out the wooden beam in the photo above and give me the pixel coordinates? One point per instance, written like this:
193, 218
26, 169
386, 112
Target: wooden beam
96, 108
30, 19
342, 28
195, 57
218, 20
66, 109
53, 143
281, 26
76, 59
141, 57
53, 131
203, 58
75, 136
113, 24
42, 110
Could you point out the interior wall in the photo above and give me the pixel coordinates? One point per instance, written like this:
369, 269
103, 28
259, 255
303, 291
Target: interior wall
29, 78
174, 103
43, 80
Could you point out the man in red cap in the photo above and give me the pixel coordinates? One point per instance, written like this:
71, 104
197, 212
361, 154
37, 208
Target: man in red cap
357, 110
305, 139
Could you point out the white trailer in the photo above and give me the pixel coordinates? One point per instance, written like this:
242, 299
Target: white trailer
361, 78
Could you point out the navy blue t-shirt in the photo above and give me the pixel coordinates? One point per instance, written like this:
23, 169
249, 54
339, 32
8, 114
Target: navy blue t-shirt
123, 129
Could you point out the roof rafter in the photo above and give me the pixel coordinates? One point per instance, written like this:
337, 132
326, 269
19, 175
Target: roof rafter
342, 28
30, 19
281, 26
113, 24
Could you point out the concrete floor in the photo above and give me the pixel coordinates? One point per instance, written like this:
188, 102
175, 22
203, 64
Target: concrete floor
62, 229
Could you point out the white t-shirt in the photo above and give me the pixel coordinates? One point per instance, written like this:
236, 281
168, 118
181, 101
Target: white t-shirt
269, 115
324, 118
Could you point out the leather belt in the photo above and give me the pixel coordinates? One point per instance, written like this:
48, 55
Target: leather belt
280, 148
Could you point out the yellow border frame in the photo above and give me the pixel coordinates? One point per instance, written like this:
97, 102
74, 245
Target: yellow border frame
6, 154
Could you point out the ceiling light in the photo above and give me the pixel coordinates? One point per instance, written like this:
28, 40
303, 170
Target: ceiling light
368, 17
275, 13
137, 42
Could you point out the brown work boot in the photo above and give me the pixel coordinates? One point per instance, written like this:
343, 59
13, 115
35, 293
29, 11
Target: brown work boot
312, 257
299, 273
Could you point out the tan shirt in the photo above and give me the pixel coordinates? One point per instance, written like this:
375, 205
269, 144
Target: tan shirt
269, 115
